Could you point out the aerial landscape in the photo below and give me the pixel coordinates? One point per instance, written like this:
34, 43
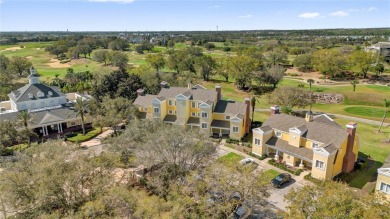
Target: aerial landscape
194, 109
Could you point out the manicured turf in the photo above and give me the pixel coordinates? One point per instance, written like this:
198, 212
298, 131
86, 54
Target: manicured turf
365, 111
230, 158
271, 173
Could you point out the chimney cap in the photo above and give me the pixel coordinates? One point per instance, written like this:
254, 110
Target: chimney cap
351, 125
218, 86
275, 107
247, 99
140, 90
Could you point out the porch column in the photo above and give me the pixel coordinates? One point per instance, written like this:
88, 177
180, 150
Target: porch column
277, 155
301, 165
59, 128
44, 130
220, 133
47, 132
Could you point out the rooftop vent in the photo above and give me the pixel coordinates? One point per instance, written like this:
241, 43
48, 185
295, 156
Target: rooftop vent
50, 93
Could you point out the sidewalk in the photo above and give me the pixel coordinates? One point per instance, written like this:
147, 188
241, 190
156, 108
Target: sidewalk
97, 140
264, 164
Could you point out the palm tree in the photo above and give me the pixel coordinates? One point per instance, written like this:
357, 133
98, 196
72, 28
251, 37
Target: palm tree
24, 118
386, 105
310, 81
81, 106
354, 83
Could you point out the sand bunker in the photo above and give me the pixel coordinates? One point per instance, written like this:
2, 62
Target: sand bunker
12, 49
55, 63
28, 57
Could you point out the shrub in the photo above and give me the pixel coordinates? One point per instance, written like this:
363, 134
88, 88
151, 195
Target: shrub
262, 157
311, 179
283, 167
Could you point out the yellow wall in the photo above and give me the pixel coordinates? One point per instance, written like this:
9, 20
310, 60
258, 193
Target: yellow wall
219, 116
163, 108
385, 179
338, 165
260, 150
290, 160
327, 173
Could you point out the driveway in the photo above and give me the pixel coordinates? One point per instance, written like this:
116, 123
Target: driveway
276, 198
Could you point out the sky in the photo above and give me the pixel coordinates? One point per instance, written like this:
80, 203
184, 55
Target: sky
190, 15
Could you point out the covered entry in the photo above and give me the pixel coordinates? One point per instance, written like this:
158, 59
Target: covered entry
220, 128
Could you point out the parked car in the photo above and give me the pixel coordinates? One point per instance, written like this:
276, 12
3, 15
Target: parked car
247, 161
281, 179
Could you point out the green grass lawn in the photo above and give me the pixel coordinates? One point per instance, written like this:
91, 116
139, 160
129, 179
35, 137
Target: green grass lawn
271, 173
81, 138
231, 158
365, 111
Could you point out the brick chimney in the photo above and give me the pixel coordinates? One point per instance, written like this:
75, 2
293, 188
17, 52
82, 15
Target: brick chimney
247, 116
274, 109
219, 92
140, 92
350, 157
164, 84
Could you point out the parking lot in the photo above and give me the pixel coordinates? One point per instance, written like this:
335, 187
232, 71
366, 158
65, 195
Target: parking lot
276, 198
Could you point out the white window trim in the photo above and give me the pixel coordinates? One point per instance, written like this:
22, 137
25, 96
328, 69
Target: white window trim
238, 129
323, 165
207, 115
193, 114
386, 187
313, 143
204, 123
259, 141
154, 110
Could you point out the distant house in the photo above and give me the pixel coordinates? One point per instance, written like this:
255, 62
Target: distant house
197, 108
383, 180
51, 111
315, 142
383, 48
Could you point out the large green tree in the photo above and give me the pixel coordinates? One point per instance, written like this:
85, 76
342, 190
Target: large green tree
304, 62
81, 106
363, 60
329, 62
206, 66
156, 61
242, 68
19, 65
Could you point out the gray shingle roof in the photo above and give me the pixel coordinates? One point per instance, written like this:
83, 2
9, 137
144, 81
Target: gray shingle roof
317, 131
170, 118
220, 124
21, 94
39, 118
230, 107
193, 120
265, 128
144, 101
283, 146
324, 119
195, 94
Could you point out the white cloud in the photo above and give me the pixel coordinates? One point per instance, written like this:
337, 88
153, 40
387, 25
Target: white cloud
215, 6
339, 14
115, 1
246, 16
354, 10
371, 9
309, 15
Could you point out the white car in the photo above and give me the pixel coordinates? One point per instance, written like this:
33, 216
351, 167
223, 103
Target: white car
247, 161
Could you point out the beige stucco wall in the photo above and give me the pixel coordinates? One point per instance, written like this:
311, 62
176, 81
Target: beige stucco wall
294, 139
6, 105
327, 172
385, 179
260, 150
290, 160
236, 135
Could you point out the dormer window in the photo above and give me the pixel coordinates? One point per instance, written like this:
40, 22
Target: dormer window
30, 95
315, 144
278, 134
227, 117
50, 93
40, 94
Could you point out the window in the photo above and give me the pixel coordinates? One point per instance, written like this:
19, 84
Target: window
198, 105
314, 144
146, 109
156, 110
227, 117
193, 114
320, 164
170, 102
257, 141
235, 129
204, 115
170, 111
198, 114
204, 125
193, 104
385, 188
278, 134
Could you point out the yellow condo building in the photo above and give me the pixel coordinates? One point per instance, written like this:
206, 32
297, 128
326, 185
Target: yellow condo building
383, 180
197, 108
316, 143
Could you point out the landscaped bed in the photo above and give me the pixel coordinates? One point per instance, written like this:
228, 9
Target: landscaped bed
81, 138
